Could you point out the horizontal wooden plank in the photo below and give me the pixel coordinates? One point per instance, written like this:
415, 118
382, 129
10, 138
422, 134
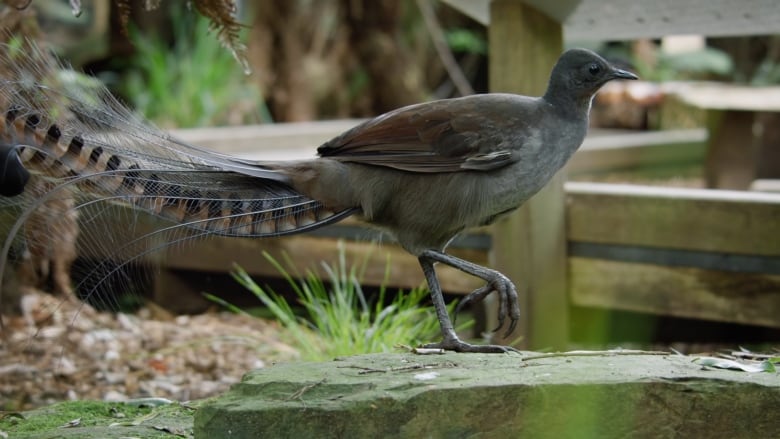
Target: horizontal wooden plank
744, 298
630, 19
379, 260
352, 228
766, 185
687, 219
598, 20
281, 141
730, 262
721, 96
219, 254
610, 152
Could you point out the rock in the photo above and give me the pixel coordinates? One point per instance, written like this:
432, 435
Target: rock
495, 396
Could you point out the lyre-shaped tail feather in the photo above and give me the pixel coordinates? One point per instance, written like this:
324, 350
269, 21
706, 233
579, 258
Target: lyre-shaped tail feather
83, 143
84, 137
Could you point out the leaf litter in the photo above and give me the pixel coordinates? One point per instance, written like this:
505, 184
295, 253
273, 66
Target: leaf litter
48, 355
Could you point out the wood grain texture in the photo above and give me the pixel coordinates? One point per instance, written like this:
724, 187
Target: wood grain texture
529, 245
214, 254
641, 150
733, 150
752, 299
630, 19
599, 20
308, 252
675, 218
721, 96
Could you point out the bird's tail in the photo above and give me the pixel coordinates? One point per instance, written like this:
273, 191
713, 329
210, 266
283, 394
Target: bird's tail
78, 139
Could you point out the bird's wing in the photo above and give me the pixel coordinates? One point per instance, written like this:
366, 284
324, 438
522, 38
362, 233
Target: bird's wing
472, 133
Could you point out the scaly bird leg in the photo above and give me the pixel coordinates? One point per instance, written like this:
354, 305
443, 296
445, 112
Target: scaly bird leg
496, 281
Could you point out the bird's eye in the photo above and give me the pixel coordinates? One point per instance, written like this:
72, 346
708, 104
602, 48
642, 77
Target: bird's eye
594, 69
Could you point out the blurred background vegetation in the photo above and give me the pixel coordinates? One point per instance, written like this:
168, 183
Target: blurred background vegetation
186, 66
308, 60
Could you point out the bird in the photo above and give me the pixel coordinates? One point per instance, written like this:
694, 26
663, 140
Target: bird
422, 173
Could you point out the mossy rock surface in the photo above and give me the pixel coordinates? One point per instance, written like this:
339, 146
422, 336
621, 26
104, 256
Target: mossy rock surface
142, 419
495, 396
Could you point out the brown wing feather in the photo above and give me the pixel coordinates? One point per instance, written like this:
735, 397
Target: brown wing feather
441, 136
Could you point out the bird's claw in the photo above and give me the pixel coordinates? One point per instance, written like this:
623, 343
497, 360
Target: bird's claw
457, 345
508, 304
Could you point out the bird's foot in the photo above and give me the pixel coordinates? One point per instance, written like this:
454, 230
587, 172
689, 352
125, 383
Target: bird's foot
508, 304
458, 345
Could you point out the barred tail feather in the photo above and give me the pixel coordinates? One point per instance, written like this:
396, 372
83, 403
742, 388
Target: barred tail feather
83, 144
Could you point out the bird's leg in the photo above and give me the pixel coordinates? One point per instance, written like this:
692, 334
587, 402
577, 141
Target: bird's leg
450, 340
507, 293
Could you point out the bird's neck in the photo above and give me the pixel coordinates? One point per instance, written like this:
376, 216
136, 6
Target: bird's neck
567, 104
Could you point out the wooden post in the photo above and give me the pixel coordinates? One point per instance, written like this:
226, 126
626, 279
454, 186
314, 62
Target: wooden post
733, 153
530, 245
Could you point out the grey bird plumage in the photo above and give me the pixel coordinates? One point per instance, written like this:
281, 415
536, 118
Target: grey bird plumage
422, 173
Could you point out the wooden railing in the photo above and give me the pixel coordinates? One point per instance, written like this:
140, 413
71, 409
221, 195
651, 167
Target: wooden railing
708, 254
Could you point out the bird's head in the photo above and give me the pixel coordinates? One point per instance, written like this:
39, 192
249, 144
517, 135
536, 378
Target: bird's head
579, 73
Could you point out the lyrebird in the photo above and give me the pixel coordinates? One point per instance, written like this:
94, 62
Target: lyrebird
422, 173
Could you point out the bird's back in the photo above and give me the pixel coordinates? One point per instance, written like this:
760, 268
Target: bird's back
491, 153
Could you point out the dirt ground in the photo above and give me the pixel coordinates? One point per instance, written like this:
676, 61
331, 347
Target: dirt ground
60, 350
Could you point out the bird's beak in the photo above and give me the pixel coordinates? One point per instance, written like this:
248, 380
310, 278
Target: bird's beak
623, 74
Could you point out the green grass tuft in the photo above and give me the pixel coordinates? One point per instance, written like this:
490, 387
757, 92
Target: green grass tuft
339, 319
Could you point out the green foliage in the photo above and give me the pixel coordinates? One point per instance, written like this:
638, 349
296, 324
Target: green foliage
466, 40
768, 73
341, 320
700, 64
197, 82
